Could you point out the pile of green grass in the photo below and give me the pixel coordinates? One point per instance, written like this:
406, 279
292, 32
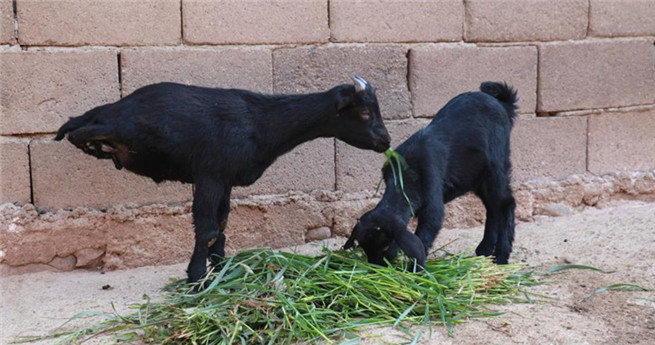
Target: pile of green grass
265, 297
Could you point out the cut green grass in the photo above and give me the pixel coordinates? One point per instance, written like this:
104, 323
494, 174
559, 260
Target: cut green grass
265, 297
618, 287
612, 287
560, 268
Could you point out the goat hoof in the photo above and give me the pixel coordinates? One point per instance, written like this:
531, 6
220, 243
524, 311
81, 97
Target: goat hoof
484, 251
194, 275
197, 288
216, 262
199, 284
501, 260
417, 268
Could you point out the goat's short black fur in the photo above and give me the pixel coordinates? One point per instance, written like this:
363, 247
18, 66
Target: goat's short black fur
219, 138
465, 148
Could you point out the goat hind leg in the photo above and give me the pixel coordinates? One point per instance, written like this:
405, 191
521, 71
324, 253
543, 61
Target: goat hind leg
506, 234
488, 244
496, 195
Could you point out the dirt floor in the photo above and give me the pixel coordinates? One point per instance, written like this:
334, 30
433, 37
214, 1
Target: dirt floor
619, 237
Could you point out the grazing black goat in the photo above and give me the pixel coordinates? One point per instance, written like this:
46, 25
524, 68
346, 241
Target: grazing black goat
465, 148
220, 138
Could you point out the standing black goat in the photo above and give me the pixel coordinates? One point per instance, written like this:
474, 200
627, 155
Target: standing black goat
220, 138
465, 148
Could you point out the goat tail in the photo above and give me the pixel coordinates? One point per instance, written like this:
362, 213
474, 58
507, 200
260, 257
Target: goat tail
500, 91
97, 140
72, 124
504, 93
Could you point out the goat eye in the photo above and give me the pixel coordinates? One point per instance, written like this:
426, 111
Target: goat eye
365, 115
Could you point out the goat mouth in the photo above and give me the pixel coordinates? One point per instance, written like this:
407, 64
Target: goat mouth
381, 146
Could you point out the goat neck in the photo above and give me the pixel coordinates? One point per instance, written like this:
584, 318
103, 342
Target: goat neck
394, 202
295, 119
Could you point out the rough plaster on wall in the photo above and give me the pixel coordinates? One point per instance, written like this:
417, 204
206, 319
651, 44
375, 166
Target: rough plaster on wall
162, 234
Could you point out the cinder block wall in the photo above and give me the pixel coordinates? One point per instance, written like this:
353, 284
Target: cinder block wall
584, 69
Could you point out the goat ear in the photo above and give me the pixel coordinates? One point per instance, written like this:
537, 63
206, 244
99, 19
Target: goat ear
360, 83
412, 246
351, 240
350, 243
344, 100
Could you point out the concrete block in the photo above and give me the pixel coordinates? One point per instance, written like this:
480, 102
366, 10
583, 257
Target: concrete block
242, 68
596, 74
255, 21
7, 22
611, 18
274, 223
41, 90
308, 167
359, 170
65, 177
622, 142
548, 147
534, 20
14, 172
442, 71
388, 21
314, 69
99, 22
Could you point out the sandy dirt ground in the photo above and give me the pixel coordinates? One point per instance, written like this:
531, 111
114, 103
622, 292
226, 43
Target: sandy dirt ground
619, 237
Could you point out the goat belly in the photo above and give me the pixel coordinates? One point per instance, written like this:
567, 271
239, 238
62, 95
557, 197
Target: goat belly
159, 167
247, 177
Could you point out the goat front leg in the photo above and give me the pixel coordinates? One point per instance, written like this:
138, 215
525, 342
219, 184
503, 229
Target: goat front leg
431, 216
217, 248
429, 222
206, 201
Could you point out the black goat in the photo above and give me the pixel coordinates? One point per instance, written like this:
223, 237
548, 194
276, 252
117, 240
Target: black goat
465, 148
219, 138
